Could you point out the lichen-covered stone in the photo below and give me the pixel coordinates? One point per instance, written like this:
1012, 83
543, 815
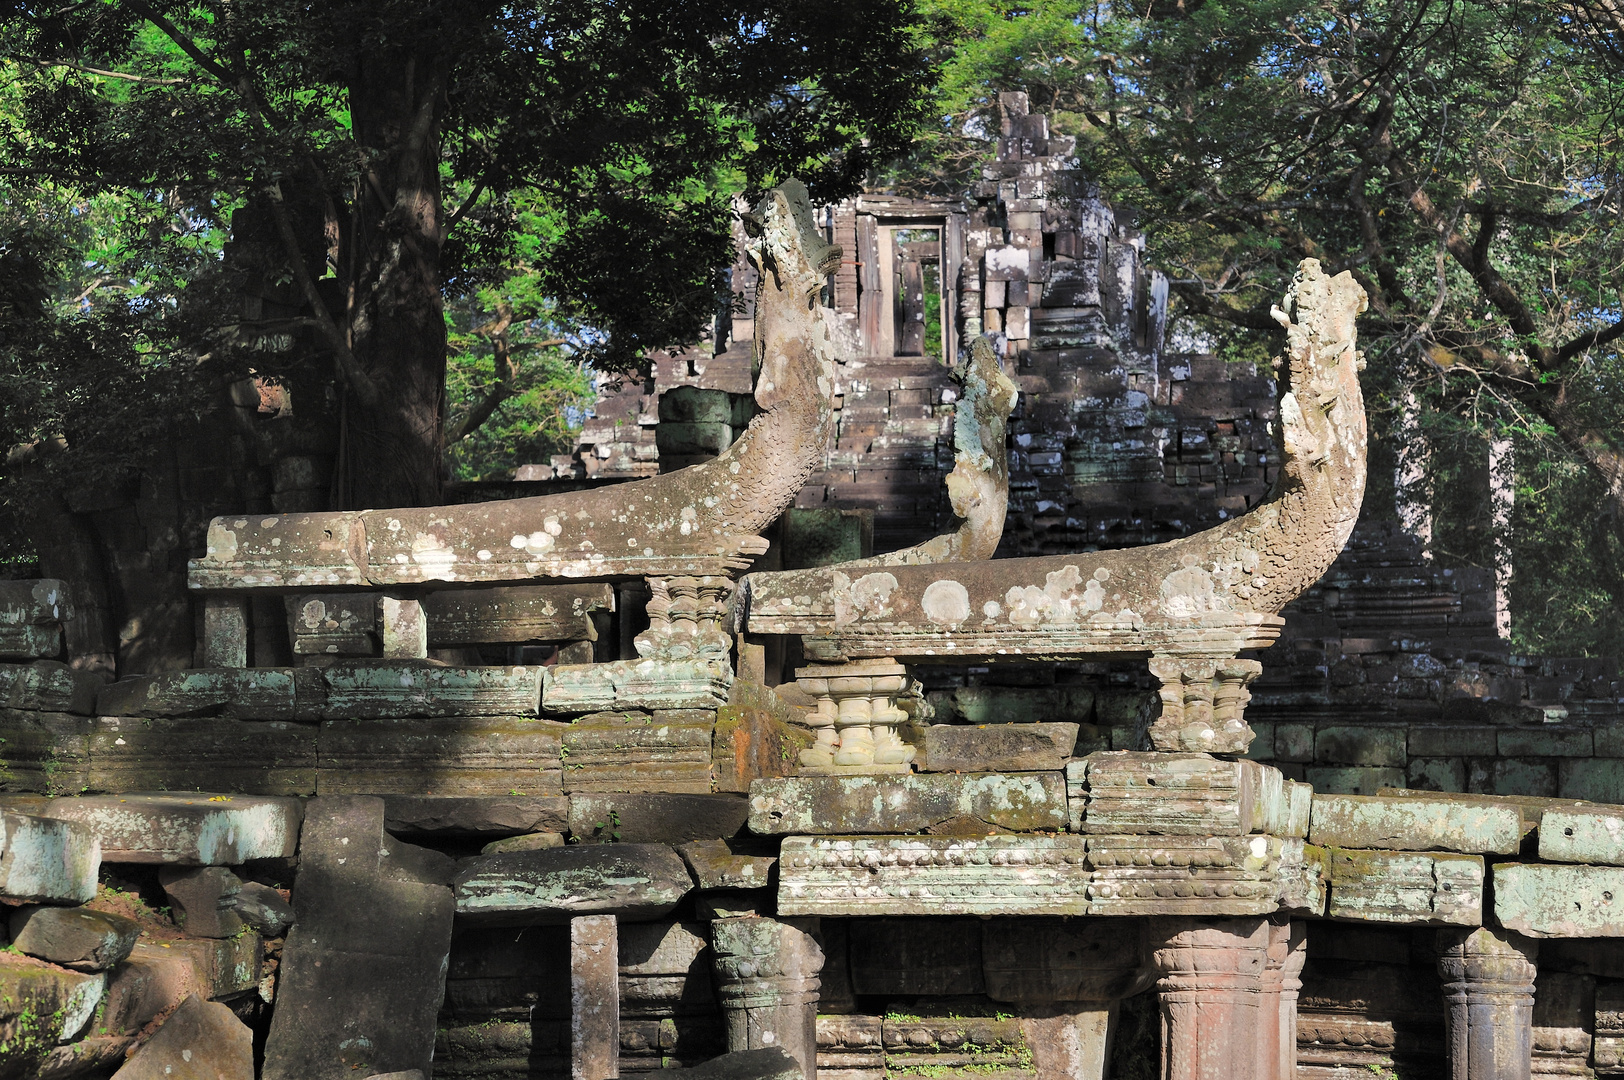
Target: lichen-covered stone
1415, 824
476, 815
195, 829
201, 1040
1124, 791
1304, 878
241, 693
1183, 875
44, 860
929, 802
633, 881
366, 689
635, 752
655, 818
753, 743
31, 616
996, 747
254, 757
74, 937
928, 875
636, 684
448, 756
734, 863
1559, 901
41, 1006
1588, 834
48, 686
45, 752
1406, 887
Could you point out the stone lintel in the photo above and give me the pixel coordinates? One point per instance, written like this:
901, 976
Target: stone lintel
636, 684
1540, 900
1414, 824
971, 804
1406, 887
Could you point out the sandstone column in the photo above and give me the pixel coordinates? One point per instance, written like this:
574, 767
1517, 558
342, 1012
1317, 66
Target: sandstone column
1211, 989
767, 981
1277, 1034
594, 998
1488, 1002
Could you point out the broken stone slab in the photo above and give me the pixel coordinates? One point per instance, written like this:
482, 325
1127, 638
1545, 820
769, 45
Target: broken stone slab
186, 830
363, 968
634, 751
927, 802
517, 613
528, 842
996, 748
1125, 791
1592, 834
49, 686
45, 860
735, 903
665, 969
1541, 900
41, 1006
76, 938
263, 908
736, 863
447, 756
636, 684
633, 881
31, 616
1304, 878
219, 967
766, 1063
1415, 824
334, 624
201, 1040
382, 689
594, 998
1183, 875
933, 875
46, 752
203, 899
1406, 887
240, 693
475, 815
270, 758
95, 1055
754, 743
659, 818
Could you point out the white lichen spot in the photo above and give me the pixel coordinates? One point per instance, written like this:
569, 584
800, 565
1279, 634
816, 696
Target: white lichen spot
992, 609
733, 467
648, 553
551, 526
868, 597
394, 525
946, 603
483, 554
268, 523
1188, 592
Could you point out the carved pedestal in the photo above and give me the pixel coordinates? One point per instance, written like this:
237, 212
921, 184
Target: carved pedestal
767, 982
1488, 979
1282, 979
685, 616
1211, 989
857, 717
1203, 704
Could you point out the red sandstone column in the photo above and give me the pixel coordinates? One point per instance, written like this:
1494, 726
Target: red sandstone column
1277, 1031
1211, 990
1488, 1002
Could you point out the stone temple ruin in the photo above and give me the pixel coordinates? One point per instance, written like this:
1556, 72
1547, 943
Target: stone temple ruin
779, 806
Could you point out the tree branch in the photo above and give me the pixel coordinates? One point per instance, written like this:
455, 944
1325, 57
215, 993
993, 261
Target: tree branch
42, 62
507, 375
187, 45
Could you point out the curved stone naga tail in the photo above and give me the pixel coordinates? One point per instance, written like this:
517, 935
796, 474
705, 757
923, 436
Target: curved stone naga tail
978, 486
1190, 605
702, 520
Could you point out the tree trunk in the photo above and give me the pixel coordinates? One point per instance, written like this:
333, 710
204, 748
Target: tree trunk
392, 433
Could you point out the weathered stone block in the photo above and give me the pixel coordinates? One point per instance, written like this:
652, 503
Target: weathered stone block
369, 689
665, 969
515, 613
920, 875
1406, 887
1452, 741
1545, 742
637, 684
526, 842
736, 863
1019, 704
1595, 779
47, 752
765, 1063
1007, 747
1415, 824
263, 908
215, 967
1294, 742
42, 1006
655, 818
188, 830
752, 743
1517, 776
201, 1040
1352, 780
47, 861
75, 938
1588, 834
334, 624
203, 899
634, 881
1436, 774
1361, 744
1167, 793
269, 758
241, 693
449, 756
1304, 879
1183, 875
1559, 901
31, 616
476, 815
633, 751
939, 802
48, 686
594, 998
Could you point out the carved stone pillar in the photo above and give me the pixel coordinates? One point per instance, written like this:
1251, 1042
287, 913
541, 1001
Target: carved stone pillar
767, 982
1203, 704
857, 717
1488, 979
684, 619
1282, 971
1211, 989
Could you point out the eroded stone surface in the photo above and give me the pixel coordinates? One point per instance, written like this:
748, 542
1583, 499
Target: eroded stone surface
1406, 887
1415, 824
362, 689
47, 1004
203, 899
76, 938
469, 756
263, 757
742, 863
641, 684
189, 830
655, 818
243, 693
48, 686
1193, 794
31, 616
996, 747
634, 881
1559, 901
44, 860
1592, 834
201, 1040
969, 804
633, 751
480, 815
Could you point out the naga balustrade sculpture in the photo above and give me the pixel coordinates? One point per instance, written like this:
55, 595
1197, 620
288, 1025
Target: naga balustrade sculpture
1191, 606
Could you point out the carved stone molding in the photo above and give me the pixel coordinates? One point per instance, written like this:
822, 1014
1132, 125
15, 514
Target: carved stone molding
1488, 981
